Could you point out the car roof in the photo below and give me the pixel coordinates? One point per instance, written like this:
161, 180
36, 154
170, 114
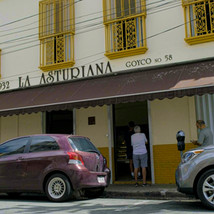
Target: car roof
50, 135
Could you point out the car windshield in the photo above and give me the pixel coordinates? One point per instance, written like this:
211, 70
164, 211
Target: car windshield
83, 144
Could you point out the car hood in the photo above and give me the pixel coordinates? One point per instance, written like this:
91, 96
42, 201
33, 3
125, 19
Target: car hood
202, 147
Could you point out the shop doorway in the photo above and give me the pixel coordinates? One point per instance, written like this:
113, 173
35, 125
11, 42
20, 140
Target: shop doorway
123, 113
60, 122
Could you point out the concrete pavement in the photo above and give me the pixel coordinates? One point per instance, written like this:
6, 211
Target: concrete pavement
129, 191
155, 191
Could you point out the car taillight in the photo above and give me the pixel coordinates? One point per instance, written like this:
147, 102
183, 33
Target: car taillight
75, 158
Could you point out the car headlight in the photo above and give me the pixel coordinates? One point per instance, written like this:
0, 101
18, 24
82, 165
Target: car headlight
190, 155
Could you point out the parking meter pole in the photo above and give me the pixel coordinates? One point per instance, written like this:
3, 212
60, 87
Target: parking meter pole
181, 152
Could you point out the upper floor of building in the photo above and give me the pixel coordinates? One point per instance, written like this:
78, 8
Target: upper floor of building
46, 41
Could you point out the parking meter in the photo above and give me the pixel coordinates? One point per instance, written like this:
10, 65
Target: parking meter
180, 136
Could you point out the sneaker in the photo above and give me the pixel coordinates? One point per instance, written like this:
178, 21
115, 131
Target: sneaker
136, 184
144, 185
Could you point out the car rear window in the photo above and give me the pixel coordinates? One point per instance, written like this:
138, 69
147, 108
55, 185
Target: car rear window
83, 144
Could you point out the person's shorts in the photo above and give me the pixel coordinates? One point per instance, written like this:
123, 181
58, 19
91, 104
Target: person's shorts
140, 160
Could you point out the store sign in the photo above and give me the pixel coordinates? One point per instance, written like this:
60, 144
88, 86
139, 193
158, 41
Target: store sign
85, 71
75, 73
59, 76
148, 61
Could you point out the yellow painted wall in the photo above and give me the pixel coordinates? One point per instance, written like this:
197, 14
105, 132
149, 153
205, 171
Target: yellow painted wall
19, 125
168, 116
166, 160
9, 127
30, 124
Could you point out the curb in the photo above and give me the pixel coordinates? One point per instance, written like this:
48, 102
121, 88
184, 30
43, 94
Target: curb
155, 195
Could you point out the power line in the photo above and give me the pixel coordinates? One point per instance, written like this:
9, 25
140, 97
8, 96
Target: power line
22, 19
76, 34
20, 38
149, 37
28, 29
104, 52
28, 17
92, 14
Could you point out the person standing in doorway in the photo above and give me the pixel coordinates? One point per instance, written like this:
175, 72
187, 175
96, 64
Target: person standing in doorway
140, 156
205, 135
129, 150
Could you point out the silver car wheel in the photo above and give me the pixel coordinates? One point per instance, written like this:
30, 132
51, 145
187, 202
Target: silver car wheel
208, 189
56, 188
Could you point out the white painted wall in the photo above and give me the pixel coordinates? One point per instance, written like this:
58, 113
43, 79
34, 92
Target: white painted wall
90, 41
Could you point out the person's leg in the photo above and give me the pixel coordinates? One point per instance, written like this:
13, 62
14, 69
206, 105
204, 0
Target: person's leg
139, 172
144, 159
135, 174
136, 166
144, 175
131, 166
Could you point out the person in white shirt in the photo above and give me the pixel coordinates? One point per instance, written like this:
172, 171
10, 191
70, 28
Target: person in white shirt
140, 157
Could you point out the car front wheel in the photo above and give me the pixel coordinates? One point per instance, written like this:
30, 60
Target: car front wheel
58, 188
205, 188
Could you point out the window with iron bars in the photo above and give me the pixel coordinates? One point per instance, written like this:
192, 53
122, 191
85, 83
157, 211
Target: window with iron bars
199, 21
56, 34
125, 28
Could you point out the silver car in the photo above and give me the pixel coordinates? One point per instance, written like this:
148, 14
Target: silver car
195, 174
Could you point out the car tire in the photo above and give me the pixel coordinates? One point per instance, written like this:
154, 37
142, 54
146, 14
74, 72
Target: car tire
205, 188
94, 193
58, 188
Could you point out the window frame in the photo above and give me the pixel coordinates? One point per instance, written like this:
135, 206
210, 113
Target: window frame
57, 42
139, 19
190, 24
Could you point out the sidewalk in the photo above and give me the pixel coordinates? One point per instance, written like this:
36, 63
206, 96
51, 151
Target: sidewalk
155, 191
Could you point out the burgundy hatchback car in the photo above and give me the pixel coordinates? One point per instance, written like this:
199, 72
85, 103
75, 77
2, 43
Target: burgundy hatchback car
54, 164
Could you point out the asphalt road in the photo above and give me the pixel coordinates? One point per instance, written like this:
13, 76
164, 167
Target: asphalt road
39, 204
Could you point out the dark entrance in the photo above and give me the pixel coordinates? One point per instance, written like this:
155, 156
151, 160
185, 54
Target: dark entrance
123, 113
60, 122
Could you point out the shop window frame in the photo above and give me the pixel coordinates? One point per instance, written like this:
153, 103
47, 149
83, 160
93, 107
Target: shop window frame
199, 21
125, 27
56, 34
